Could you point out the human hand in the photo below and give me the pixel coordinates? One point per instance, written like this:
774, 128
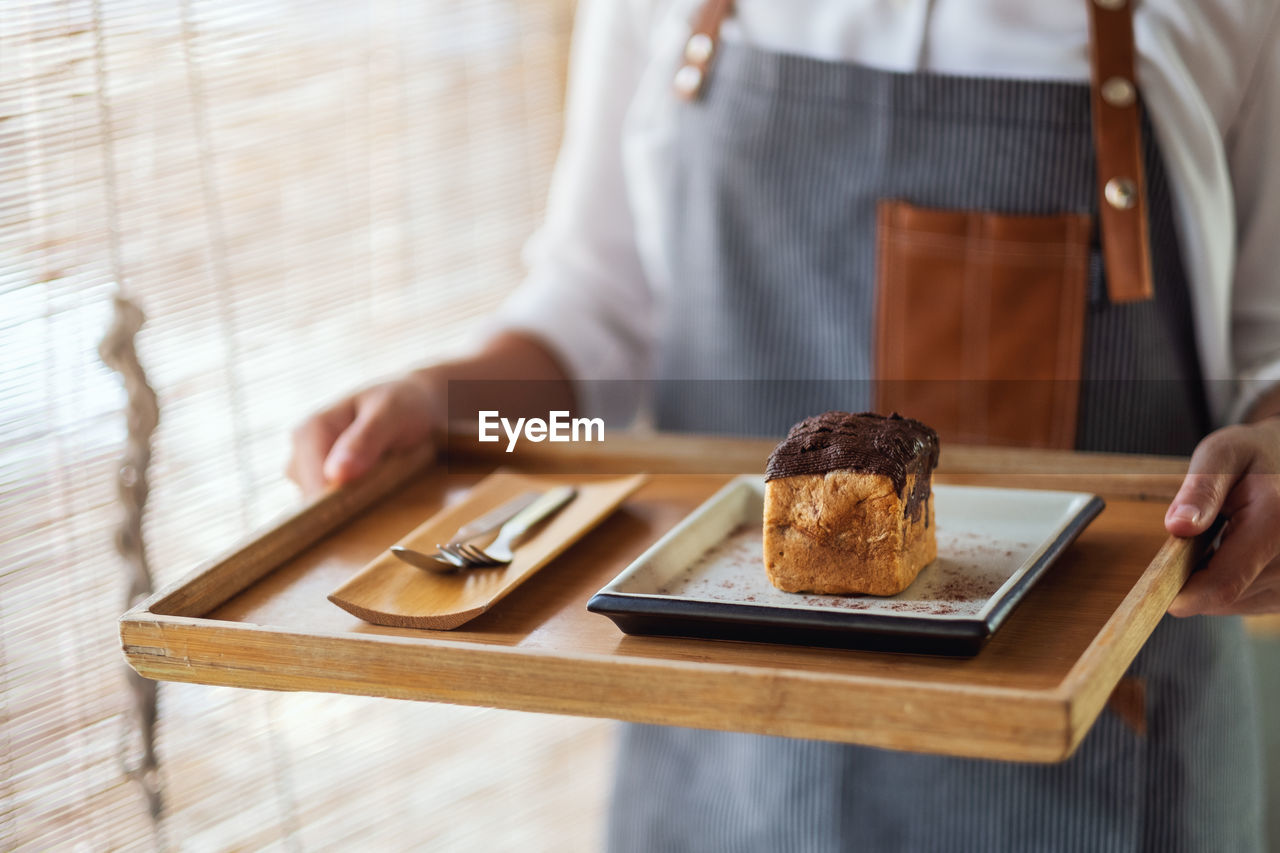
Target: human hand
342, 442
1234, 472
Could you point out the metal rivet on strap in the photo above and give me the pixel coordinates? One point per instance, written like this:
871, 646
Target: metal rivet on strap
1118, 92
1110, 5
699, 48
1121, 193
688, 80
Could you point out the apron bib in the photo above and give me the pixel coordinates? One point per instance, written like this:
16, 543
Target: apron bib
832, 224
816, 212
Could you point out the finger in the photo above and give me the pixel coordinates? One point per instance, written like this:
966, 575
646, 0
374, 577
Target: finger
312, 442
362, 444
1248, 545
1215, 466
310, 480
1266, 600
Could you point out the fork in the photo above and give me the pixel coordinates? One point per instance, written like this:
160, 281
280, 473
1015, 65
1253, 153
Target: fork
473, 531
500, 552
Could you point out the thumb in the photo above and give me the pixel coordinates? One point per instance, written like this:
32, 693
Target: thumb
359, 447
1214, 469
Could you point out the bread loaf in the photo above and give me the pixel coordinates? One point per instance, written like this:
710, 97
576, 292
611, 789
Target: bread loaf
849, 504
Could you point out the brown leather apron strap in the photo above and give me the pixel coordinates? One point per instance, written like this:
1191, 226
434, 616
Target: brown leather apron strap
1117, 143
1129, 702
700, 49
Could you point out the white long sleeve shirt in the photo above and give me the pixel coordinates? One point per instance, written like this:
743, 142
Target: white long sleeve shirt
1208, 70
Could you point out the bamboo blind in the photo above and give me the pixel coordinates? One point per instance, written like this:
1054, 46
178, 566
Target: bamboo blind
301, 196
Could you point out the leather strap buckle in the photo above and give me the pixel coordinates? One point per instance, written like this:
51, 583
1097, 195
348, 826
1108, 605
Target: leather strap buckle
1117, 144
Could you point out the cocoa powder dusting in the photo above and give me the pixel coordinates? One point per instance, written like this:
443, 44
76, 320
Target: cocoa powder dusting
969, 570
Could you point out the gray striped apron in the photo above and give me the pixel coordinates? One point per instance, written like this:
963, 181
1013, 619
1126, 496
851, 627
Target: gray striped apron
771, 212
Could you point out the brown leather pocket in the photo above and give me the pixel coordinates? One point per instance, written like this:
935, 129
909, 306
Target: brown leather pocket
980, 322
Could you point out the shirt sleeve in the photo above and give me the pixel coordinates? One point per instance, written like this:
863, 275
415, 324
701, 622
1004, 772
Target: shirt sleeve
586, 295
1255, 175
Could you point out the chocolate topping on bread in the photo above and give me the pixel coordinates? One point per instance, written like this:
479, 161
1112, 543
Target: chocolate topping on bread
892, 446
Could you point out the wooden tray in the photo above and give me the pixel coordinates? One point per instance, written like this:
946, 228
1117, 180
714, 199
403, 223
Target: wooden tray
259, 617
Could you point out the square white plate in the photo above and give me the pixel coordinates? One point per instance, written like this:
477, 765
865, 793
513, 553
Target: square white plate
706, 577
